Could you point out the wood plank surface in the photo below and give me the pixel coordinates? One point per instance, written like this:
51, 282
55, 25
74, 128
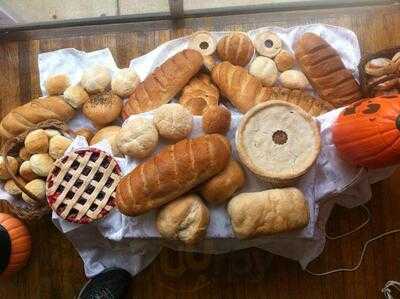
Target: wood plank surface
55, 269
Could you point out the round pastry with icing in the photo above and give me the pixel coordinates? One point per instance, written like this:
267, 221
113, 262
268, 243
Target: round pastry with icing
278, 141
203, 42
268, 44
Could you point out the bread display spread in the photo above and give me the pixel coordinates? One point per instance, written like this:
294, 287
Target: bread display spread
268, 212
19, 119
177, 156
164, 83
172, 172
278, 141
325, 70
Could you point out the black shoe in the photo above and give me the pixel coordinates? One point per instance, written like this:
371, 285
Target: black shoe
112, 283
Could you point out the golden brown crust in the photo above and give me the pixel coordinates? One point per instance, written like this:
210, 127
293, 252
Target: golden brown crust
326, 71
171, 173
23, 117
237, 48
199, 94
164, 83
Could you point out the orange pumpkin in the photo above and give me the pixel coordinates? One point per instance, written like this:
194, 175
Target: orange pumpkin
15, 244
367, 133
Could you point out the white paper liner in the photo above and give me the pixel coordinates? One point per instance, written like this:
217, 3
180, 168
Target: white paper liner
128, 242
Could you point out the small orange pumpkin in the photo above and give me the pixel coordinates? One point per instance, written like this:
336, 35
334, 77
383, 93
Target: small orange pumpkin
367, 133
15, 244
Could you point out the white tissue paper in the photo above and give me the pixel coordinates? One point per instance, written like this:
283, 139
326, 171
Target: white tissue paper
133, 242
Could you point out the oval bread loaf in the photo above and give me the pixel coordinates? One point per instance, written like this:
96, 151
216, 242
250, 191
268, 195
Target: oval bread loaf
268, 212
172, 172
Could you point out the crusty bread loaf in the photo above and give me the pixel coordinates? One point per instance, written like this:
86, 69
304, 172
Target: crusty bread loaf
268, 212
185, 219
238, 86
301, 98
236, 47
23, 117
171, 173
325, 70
199, 94
164, 83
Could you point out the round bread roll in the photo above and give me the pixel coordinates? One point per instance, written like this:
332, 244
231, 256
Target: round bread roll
138, 138
11, 188
102, 109
124, 82
380, 66
216, 119
55, 85
37, 142
96, 79
264, 69
52, 132
185, 219
25, 171
268, 44
108, 133
13, 165
58, 145
38, 188
203, 42
236, 47
284, 61
293, 79
41, 164
173, 121
221, 187
278, 141
76, 96
24, 154
85, 132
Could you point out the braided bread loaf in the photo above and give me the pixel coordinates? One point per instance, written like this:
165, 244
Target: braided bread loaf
172, 172
23, 117
164, 83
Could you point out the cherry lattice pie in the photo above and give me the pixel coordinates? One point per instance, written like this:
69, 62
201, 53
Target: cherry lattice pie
81, 186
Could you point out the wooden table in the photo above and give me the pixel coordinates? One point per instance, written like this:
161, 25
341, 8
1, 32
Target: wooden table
55, 269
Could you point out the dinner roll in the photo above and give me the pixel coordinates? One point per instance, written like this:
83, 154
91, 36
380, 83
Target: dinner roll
52, 132
216, 119
108, 133
58, 145
222, 186
265, 70
284, 61
41, 164
11, 187
185, 219
96, 79
38, 188
173, 121
76, 96
55, 85
37, 142
124, 82
25, 171
138, 138
13, 165
85, 132
102, 109
293, 79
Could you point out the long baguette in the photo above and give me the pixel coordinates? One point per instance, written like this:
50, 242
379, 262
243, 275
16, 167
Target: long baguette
28, 115
172, 172
164, 83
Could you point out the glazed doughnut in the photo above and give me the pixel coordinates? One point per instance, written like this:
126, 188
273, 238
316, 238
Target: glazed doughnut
203, 42
268, 44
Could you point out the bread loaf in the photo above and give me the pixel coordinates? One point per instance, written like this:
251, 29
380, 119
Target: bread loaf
238, 86
164, 83
199, 94
172, 172
325, 70
236, 47
185, 219
23, 117
268, 212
